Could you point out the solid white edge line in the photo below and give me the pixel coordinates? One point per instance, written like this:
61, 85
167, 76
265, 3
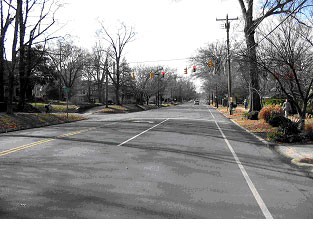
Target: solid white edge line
259, 138
143, 132
253, 189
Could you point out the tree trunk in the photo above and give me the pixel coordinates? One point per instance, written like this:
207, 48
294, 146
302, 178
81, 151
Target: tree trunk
28, 85
13, 64
1, 70
100, 95
302, 123
21, 58
302, 118
117, 98
4, 27
117, 87
253, 71
10, 98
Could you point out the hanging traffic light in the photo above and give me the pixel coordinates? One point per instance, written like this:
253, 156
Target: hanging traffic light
151, 75
133, 75
186, 71
163, 74
210, 63
194, 69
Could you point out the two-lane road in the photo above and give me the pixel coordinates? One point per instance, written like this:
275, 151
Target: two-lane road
185, 161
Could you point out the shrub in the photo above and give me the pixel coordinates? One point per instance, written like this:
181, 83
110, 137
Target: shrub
252, 115
290, 127
277, 120
280, 136
270, 111
273, 102
307, 160
288, 132
309, 132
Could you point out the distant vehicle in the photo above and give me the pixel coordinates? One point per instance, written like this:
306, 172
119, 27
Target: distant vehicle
196, 102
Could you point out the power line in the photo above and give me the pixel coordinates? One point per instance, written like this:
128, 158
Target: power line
188, 58
150, 61
265, 37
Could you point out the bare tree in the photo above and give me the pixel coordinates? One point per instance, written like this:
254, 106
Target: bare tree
123, 36
68, 61
126, 81
188, 89
288, 57
240, 65
143, 83
5, 23
268, 8
214, 77
34, 22
96, 68
11, 68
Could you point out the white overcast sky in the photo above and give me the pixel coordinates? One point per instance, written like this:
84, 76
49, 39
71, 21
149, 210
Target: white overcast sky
166, 29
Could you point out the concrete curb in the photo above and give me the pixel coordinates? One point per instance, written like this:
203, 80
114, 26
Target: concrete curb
308, 168
291, 156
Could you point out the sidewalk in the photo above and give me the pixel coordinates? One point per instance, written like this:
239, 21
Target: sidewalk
295, 152
292, 153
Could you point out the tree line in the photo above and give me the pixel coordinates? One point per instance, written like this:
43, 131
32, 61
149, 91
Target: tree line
30, 55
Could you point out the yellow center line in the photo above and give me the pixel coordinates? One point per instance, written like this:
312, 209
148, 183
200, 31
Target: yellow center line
6, 152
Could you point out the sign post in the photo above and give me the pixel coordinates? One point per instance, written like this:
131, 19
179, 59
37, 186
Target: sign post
66, 90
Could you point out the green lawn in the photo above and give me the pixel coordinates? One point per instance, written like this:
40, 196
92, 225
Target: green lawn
56, 108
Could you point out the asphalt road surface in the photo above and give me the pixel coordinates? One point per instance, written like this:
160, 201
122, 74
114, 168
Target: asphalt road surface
185, 161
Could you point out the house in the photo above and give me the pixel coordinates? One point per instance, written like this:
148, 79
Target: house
88, 91
39, 91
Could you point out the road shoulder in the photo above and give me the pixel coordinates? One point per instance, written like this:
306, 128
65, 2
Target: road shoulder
291, 153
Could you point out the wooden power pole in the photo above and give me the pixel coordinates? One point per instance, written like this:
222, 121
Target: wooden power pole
227, 26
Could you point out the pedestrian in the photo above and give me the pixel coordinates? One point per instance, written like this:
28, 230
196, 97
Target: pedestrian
48, 108
245, 104
286, 108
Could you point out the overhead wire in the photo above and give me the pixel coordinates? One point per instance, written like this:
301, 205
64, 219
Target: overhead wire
151, 61
265, 37
188, 58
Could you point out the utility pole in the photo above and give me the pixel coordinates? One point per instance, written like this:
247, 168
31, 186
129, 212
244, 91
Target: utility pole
60, 82
227, 26
116, 102
158, 95
216, 97
106, 88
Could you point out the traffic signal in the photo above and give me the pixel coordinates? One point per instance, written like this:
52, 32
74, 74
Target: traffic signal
186, 71
194, 68
210, 63
163, 74
133, 75
151, 75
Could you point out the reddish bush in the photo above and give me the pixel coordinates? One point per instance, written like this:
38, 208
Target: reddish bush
307, 160
270, 111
